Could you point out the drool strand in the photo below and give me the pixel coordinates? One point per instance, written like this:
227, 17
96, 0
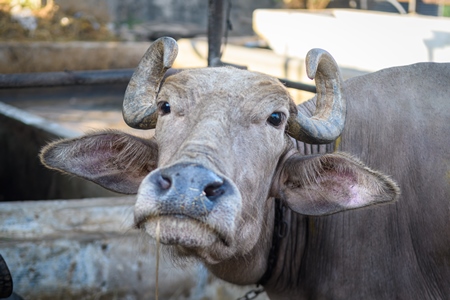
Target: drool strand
157, 260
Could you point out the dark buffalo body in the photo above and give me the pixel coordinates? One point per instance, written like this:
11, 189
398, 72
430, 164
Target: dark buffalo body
398, 122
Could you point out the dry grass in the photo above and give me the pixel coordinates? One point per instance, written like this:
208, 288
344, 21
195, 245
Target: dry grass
53, 24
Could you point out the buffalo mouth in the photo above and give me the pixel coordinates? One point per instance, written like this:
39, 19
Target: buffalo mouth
181, 230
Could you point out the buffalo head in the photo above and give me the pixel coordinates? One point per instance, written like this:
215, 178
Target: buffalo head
222, 151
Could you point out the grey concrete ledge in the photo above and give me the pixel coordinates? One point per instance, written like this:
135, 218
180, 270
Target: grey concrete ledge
46, 219
36, 121
24, 57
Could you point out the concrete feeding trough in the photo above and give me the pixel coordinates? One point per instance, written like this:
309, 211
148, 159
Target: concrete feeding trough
32, 117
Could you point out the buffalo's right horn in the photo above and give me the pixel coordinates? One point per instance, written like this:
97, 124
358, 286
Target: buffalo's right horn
328, 121
139, 107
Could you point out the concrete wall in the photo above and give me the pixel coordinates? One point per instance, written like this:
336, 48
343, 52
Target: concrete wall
168, 11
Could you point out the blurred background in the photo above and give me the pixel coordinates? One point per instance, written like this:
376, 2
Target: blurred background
64, 67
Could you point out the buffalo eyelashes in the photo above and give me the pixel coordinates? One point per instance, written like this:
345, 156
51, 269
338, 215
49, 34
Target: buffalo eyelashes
164, 107
275, 119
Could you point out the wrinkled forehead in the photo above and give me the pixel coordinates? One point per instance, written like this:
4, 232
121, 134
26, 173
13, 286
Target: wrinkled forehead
228, 84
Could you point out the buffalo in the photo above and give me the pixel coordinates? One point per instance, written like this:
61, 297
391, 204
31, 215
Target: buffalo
263, 191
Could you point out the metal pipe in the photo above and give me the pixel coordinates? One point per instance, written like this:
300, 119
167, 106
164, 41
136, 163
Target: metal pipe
49, 79
298, 85
65, 78
215, 32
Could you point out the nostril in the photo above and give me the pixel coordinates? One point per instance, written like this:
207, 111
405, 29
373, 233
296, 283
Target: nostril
163, 182
214, 190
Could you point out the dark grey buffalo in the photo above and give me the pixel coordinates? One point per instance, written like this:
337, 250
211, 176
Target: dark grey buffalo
240, 178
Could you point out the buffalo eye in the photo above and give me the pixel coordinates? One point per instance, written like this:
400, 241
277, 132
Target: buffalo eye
164, 107
275, 119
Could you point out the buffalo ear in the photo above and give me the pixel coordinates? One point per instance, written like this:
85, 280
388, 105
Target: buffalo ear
113, 159
325, 184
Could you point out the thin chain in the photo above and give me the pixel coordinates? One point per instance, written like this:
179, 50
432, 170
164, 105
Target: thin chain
252, 294
281, 229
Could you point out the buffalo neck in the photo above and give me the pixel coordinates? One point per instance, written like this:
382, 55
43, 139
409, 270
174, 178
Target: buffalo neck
290, 236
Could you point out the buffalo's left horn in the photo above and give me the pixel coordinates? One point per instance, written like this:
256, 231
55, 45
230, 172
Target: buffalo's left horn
328, 121
139, 103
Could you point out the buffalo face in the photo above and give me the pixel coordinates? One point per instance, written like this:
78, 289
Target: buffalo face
211, 168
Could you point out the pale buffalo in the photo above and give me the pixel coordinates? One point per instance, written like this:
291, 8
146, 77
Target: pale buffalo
235, 176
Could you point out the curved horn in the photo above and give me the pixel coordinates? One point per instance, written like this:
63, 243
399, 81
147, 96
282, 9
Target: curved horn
139, 103
328, 121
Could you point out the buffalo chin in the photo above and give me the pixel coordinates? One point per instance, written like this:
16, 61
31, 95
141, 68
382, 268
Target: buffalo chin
187, 234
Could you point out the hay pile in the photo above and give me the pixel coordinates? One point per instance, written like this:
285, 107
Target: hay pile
23, 21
